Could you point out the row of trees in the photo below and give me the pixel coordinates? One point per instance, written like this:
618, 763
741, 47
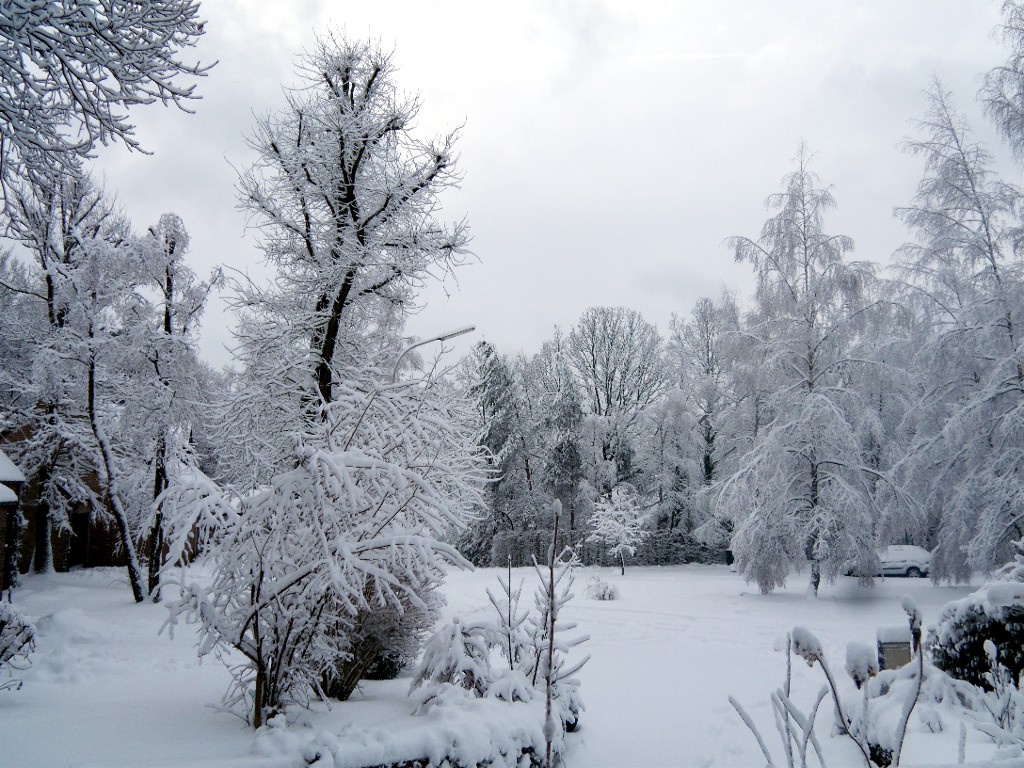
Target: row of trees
99, 367
98, 373
839, 410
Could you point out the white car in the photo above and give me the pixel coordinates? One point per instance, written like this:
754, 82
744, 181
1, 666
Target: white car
905, 560
902, 560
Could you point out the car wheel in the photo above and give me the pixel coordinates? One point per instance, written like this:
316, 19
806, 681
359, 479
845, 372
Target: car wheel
913, 572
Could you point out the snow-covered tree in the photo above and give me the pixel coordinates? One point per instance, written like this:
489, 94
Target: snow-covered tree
701, 428
344, 197
968, 287
619, 522
803, 490
356, 525
556, 403
698, 351
1003, 90
616, 357
164, 404
65, 223
71, 72
103, 375
343, 484
508, 432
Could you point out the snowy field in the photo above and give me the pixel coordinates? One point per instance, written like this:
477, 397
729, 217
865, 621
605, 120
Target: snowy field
107, 690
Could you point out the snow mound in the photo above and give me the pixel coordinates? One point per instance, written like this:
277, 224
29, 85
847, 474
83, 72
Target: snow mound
461, 731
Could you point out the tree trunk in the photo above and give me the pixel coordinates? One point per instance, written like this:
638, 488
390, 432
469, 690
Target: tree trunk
156, 534
42, 557
257, 705
622, 564
815, 577
113, 491
12, 548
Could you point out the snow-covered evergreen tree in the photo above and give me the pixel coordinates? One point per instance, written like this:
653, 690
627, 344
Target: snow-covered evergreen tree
967, 283
803, 490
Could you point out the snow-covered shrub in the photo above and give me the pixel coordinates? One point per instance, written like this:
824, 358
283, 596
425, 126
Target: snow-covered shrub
599, 589
381, 641
1003, 706
353, 527
457, 660
994, 613
17, 641
1013, 570
457, 655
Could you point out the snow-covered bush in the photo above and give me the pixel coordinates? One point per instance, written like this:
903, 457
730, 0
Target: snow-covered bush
1013, 570
355, 527
17, 641
861, 663
994, 613
599, 589
456, 655
1004, 704
382, 641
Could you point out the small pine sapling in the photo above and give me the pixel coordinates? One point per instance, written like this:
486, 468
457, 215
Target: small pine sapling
795, 727
511, 629
560, 687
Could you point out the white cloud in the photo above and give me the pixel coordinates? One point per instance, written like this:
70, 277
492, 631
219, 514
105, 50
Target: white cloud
609, 148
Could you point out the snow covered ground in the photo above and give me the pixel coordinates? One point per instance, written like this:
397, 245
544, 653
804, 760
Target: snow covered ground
107, 690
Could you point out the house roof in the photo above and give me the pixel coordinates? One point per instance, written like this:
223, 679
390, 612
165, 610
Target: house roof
8, 472
7, 496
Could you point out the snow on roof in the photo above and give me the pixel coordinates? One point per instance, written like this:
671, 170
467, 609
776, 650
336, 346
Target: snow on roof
8, 472
7, 496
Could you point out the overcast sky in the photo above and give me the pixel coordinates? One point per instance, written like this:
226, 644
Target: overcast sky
609, 148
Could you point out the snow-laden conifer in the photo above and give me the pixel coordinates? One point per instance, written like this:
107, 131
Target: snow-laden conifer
805, 488
965, 281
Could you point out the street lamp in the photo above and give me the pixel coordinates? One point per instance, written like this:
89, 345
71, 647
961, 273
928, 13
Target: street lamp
440, 337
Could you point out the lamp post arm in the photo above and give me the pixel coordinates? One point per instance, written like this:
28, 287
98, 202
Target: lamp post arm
440, 337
